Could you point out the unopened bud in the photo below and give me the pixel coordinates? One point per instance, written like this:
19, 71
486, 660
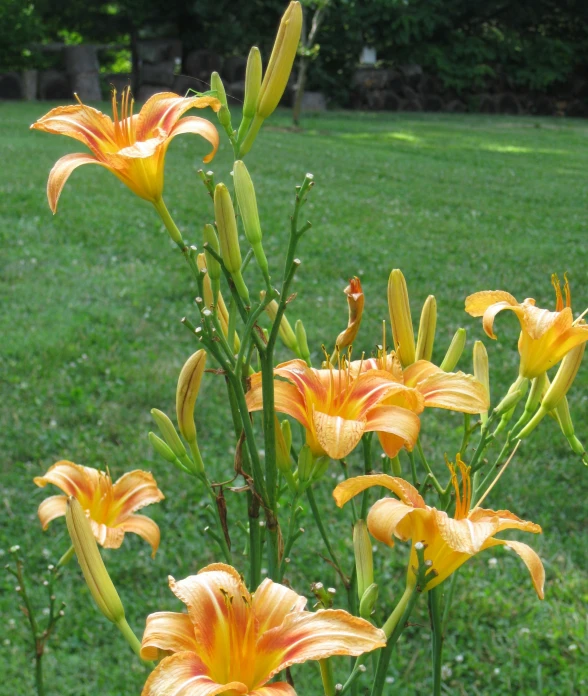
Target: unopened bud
482, 371
302, 341
187, 393
427, 327
454, 351
229, 238
217, 85
283, 443
91, 563
305, 464
364, 561
319, 469
253, 74
368, 601
399, 307
286, 333
355, 302
249, 214
509, 402
161, 448
562, 411
169, 433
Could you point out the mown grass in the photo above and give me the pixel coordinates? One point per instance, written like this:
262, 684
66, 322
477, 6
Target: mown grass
91, 341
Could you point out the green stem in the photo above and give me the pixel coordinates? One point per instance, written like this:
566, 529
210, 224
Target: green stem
170, 225
366, 441
129, 635
436, 637
467, 431
328, 677
323, 532
66, 558
413, 471
438, 487
39, 673
448, 600
396, 468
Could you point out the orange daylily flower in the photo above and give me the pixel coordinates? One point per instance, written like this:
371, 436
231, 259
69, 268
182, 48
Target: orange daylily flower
337, 407
450, 542
355, 301
232, 642
426, 386
109, 506
131, 146
546, 337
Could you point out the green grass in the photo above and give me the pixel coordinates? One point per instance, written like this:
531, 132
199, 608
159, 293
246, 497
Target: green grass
90, 302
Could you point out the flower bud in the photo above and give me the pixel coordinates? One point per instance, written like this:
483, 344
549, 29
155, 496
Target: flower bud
91, 563
454, 351
229, 238
300, 332
216, 84
305, 464
161, 448
211, 264
253, 75
248, 207
319, 469
221, 308
402, 331
355, 302
283, 444
169, 433
509, 402
482, 371
562, 411
364, 561
187, 393
286, 333
427, 326
368, 601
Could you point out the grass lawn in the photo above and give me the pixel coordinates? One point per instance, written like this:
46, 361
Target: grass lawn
90, 302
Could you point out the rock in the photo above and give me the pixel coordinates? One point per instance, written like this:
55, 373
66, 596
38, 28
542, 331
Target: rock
147, 91
376, 99
577, 109
412, 73
54, 85
86, 86
314, 101
391, 100
234, 69
411, 105
201, 64
395, 81
81, 59
580, 88
455, 106
486, 104
158, 73
29, 84
409, 93
543, 106
155, 51
10, 86
431, 85
118, 81
432, 103
508, 104
366, 79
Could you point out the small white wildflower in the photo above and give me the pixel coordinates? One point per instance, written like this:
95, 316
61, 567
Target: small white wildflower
524, 631
492, 562
572, 647
446, 672
497, 670
390, 680
459, 658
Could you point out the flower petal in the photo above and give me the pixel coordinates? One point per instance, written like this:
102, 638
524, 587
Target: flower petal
60, 172
133, 491
465, 535
391, 444
199, 126
407, 493
307, 380
84, 123
395, 420
384, 517
307, 636
167, 631
73, 479
163, 110
418, 371
337, 436
287, 399
184, 674
51, 508
275, 689
537, 322
478, 303
145, 527
370, 389
272, 602
107, 537
506, 520
455, 391
530, 559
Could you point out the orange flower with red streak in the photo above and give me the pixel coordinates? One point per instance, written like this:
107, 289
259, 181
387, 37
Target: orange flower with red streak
336, 406
450, 542
109, 506
131, 146
232, 642
425, 386
546, 337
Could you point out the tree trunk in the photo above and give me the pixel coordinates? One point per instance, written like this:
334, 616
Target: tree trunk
300, 90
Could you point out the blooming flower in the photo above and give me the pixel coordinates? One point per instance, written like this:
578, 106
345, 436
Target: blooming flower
337, 406
426, 386
131, 146
450, 542
232, 642
546, 337
109, 506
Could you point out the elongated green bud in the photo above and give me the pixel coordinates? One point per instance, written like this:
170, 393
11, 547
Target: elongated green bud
162, 448
226, 225
252, 82
212, 265
223, 115
300, 332
169, 433
482, 371
282, 445
286, 333
562, 411
97, 578
454, 351
507, 406
509, 402
368, 601
399, 307
249, 214
427, 326
305, 464
319, 469
187, 393
364, 560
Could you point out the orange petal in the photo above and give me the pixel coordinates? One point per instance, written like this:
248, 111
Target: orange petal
73, 479
133, 491
107, 537
337, 436
465, 535
272, 602
275, 689
163, 110
384, 517
455, 391
305, 378
184, 674
51, 508
168, 631
287, 399
218, 603
145, 527
478, 303
537, 322
395, 420
391, 444
199, 126
506, 520
371, 388
530, 559
419, 371
84, 123
60, 172
307, 636
403, 489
